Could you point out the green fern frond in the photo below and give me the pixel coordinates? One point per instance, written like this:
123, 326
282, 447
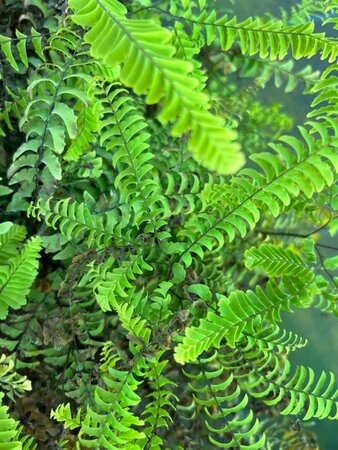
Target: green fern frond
156, 414
90, 166
264, 374
124, 131
12, 109
273, 337
111, 284
10, 380
300, 391
294, 169
88, 124
17, 277
182, 189
138, 331
75, 220
119, 40
48, 120
222, 398
20, 44
63, 414
277, 261
325, 103
281, 72
240, 312
267, 38
111, 423
10, 241
9, 429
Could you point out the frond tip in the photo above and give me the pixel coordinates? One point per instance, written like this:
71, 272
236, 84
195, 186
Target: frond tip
277, 261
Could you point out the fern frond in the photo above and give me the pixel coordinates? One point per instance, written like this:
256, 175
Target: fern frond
9, 242
151, 69
300, 168
9, 429
88, 124
240, 312
17, 277
325, 103
182, 189
48, 120
300, 391
20, 44
10, 380
265, 374
111, 423
13, 108
281, 72
273, 337
124, 131
63, 414
156, 414
90, 166
138, 331
110, 284
222, 398
277, 261
75, 220
267, 38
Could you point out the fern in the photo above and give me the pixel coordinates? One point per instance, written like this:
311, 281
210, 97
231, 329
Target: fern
222, 399
210, 142
241, 311
278, 262
74, 219
145, 274
281, 72
10, 241
267, 38
281, 179
122, 124
9, 429
297, 393
112, 283
11, 381
106, 424
20, 44
17, 276
160, 400
88, 124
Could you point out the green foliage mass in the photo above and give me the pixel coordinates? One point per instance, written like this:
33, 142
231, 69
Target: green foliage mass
158, 222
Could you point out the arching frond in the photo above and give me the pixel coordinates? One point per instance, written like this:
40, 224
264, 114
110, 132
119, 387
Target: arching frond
154, 71
156, 414
267, 38
113, 283
300, 167
229, 420
111, 421
240, 312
